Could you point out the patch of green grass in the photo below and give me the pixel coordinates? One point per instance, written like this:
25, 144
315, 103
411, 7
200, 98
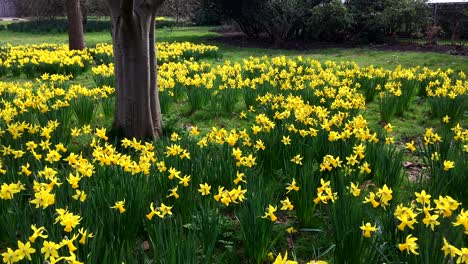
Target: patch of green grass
410, 124
440, 42
362, 56
192, 34
4, 23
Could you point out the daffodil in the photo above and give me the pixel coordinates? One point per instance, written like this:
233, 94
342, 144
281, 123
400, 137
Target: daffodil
164, 210
84, 235
367, 229
37, 232
297, 159
239, 177
291, 230
204, 189
448, 165
25, 250
10, 256
292, 186
462, 255
283, 260
354, 189
430, 219
101, 133
80, 195
271, 213
462, 219
446, 119
286, 205
410, 146
119, 205
410, 245
450, 249
50, 249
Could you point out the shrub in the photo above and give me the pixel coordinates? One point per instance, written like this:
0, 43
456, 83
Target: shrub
377, 20
329, 22
57, 25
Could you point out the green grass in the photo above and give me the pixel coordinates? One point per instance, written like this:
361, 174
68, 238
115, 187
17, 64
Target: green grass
362, 56
441, 41
192, 34
5, 22
410, 124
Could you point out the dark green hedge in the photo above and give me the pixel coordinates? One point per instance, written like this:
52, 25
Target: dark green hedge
61, 26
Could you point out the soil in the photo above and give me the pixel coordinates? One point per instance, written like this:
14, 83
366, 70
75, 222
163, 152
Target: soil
238, 39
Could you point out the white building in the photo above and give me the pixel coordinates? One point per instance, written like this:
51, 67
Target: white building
447, 1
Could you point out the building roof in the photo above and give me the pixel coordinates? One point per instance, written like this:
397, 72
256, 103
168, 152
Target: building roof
447, 1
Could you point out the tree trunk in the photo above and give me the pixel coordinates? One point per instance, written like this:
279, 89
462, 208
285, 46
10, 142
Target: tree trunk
455, 30
138, 112
75, 25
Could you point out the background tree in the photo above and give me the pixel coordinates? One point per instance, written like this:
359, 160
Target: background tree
75, 25
138, 112
44, 9
7, 8
454, 21
328, 22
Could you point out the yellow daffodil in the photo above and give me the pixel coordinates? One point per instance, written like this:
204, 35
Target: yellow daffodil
271, 213
367, 229
204, 189
410, 245
120, 205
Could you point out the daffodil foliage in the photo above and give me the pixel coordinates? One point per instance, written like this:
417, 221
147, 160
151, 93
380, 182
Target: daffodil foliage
304, 163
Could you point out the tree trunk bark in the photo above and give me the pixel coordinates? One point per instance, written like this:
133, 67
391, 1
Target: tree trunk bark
75, 25
455, 30
138, 112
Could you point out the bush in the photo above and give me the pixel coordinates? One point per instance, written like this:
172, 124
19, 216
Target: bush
453, 20
328, 22
43, 9
277, 19
207, 14
247, 14
375, 21
281, 18
58, 25
406, 17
